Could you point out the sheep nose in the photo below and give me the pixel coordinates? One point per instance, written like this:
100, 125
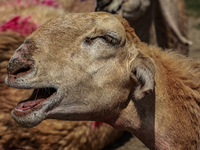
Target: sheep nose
21, 62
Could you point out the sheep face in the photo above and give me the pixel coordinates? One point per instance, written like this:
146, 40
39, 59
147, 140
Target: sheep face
79, 66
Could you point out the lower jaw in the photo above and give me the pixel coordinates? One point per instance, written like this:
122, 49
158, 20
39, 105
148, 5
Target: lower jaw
28, 118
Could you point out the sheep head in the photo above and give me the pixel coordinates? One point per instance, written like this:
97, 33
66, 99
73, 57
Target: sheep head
83, 66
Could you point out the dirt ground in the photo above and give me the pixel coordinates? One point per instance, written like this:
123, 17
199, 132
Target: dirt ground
127, 142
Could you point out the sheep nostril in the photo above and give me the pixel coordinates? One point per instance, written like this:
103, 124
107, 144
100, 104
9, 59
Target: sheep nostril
18, 67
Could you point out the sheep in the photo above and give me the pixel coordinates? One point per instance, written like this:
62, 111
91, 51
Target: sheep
159, 22
107, 75
50, 134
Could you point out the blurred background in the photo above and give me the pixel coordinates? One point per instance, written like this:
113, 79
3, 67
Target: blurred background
19, 18
193, 7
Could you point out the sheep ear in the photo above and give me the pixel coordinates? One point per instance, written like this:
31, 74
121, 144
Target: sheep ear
143, 73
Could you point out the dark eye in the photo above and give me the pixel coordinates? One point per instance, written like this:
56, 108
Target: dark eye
108, 39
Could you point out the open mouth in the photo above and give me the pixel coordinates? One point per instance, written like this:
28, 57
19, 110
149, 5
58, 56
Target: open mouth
35, 102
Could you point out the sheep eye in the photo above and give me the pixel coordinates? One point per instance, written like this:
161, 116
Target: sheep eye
108, 39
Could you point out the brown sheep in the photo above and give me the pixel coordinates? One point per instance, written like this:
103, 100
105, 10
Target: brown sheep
50, 134
107, 75
157, 22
